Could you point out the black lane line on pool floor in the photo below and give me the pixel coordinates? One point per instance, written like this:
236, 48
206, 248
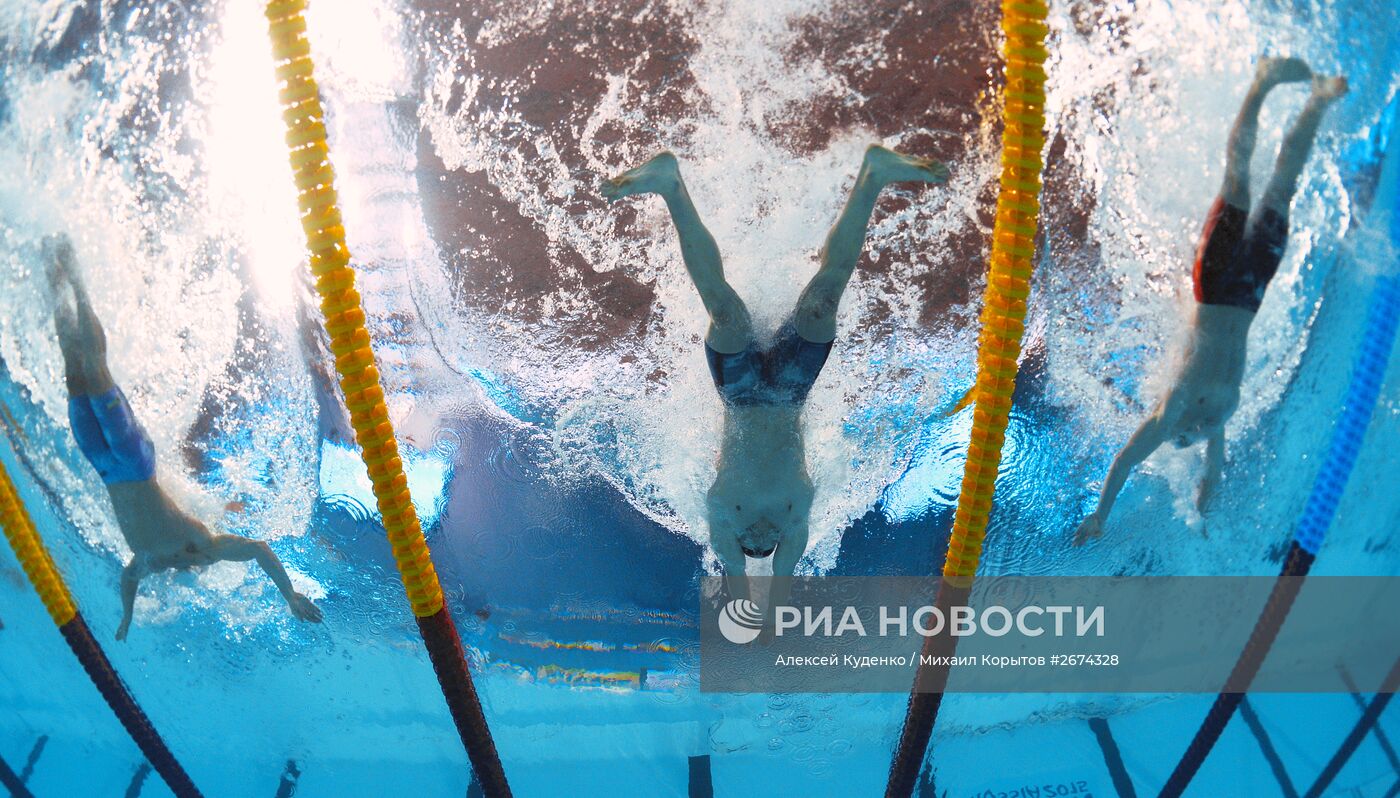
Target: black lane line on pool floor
11, 782
287, 787
1394, 790
474, 788
138, 780
701, 785
1360, 701
1112, 758
34, 754
1364, 725
1267, 747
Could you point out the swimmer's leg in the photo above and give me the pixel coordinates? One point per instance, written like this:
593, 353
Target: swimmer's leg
816, 309
80, 334
1293, 154
1270, 73
731, 329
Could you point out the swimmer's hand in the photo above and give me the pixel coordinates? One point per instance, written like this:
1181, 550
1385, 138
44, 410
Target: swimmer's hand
1206, 496
968, 397
303, 608
131, 581
58, 248
765, 636
1091, 528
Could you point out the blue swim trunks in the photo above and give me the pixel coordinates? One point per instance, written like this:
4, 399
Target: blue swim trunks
110, 437
782, 374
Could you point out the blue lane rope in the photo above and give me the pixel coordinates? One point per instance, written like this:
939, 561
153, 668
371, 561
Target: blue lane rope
1367, 374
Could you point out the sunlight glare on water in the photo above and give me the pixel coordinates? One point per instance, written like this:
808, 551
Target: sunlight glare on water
244, 155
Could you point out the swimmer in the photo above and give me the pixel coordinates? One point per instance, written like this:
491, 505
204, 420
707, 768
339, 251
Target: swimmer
762, 495
1238, 254
161, 535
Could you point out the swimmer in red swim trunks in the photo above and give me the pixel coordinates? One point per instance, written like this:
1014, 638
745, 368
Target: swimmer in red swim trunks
759, 503
161, 535
1239, 252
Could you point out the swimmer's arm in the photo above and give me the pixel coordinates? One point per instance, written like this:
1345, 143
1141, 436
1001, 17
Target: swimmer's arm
731, 557
1215, 466
1144, 442
240, 549
790, 549
785, 557
132, 575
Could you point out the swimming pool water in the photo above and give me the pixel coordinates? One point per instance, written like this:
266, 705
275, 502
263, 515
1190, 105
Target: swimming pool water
540, 346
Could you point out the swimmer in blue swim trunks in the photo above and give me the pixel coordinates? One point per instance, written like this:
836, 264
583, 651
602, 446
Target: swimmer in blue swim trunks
1238, 254
160, 534
762, 495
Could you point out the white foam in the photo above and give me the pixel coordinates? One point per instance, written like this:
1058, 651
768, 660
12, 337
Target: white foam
1144, 104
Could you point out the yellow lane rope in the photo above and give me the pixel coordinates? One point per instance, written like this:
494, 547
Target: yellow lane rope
1008, 279
33, 556
999, 347
359, 379
340, 302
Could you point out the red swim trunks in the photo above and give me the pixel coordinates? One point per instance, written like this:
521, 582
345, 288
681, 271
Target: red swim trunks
1238, 256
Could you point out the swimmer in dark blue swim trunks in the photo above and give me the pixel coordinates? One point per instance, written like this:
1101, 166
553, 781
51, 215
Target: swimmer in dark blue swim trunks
1239, 252
161, 535
762, 495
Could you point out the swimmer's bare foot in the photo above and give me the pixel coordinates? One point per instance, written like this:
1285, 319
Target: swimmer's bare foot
884, 166
57, 254
660, 175
1273, 71
1329, 88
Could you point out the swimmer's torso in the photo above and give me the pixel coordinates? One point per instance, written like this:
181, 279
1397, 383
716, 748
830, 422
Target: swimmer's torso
1208, 389
154, 527
762, 475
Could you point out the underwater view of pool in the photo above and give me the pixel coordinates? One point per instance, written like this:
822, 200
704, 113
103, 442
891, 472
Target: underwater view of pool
541, 352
